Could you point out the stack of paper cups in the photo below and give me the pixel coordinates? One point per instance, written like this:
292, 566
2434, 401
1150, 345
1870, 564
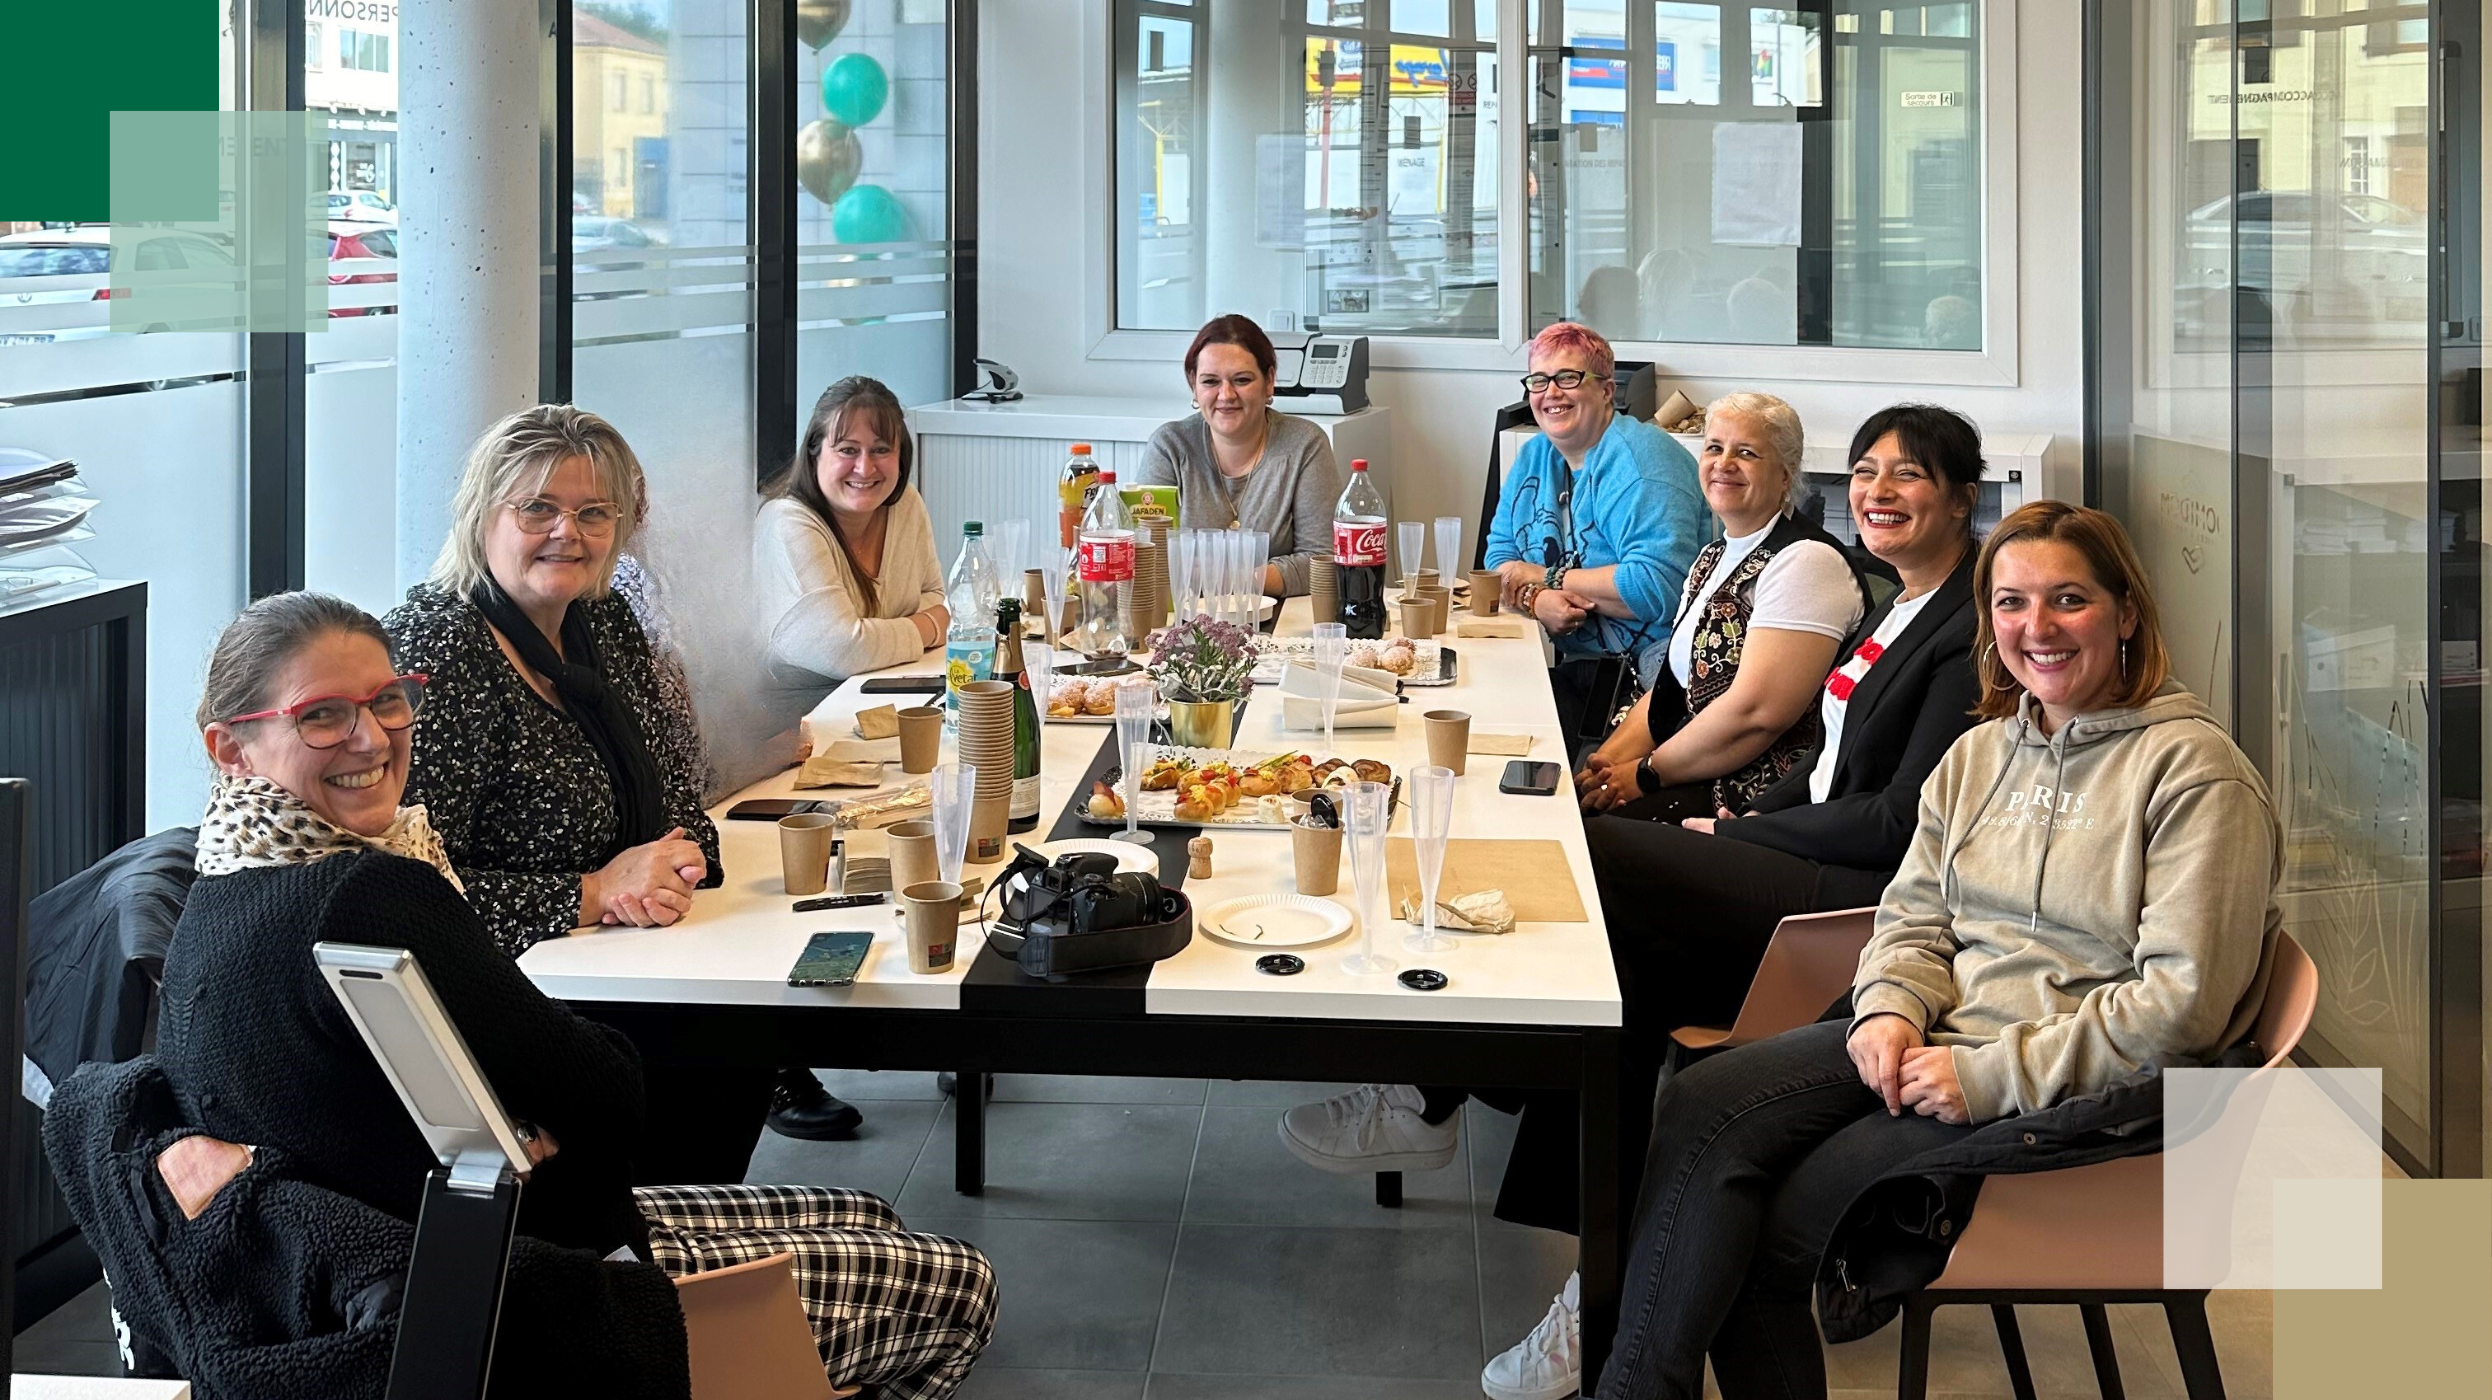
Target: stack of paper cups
1146, 605
986, 742
1157, 529
1323, 587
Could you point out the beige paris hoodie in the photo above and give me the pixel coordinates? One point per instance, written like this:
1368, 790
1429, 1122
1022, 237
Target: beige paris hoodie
2075, 905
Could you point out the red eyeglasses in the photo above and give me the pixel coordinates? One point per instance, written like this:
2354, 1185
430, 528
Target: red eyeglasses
326, 721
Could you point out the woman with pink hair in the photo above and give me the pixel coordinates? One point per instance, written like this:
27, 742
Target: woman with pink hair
1596, 525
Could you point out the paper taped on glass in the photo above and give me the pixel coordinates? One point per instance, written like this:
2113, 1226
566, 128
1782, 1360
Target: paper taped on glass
1756, 184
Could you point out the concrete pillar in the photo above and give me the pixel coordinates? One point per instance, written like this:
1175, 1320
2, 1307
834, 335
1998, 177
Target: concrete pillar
468, 246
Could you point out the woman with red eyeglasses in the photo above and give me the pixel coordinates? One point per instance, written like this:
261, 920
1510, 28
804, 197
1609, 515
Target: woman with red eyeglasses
308, 719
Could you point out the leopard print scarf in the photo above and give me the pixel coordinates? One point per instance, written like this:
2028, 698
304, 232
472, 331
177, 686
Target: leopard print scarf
254, 822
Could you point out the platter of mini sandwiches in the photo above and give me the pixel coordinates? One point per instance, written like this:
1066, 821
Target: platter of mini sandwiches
1225, 787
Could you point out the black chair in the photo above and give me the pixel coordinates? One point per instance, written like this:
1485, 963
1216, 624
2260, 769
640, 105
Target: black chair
17, 879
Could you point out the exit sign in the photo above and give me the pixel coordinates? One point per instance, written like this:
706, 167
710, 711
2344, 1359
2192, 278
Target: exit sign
1933, 99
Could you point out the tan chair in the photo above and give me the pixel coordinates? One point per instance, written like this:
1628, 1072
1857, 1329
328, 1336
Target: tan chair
2094, 1235
1808, 963
748, 1336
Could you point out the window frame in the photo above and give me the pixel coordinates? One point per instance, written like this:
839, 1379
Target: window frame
1996, 364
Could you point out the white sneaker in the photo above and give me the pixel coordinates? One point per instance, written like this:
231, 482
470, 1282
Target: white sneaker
1548, 1364
1372, 1128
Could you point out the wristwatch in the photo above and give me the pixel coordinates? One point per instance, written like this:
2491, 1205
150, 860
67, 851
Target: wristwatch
1647, 781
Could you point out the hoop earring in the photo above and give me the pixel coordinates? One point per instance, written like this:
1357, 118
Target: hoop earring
1989, 658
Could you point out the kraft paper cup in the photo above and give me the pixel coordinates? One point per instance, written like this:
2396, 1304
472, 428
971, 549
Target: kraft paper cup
1323, 589
921, 738
988, 817
912, 854
805, 841
1443, 597
1486, 585
1316, 852
1419, 616
933, 910
1449, 738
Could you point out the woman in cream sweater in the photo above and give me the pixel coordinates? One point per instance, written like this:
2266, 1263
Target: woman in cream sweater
844, 564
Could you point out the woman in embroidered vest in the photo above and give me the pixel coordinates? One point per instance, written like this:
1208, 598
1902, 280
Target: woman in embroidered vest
544, 753
1759, 621
308, 720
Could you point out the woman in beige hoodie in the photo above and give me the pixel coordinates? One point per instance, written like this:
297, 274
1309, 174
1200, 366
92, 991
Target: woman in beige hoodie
2091, 887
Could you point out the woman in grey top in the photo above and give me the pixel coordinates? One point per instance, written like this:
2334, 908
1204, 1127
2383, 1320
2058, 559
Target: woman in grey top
1237, 464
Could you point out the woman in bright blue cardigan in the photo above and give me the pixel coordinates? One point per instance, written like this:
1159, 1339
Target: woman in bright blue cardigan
1598, 520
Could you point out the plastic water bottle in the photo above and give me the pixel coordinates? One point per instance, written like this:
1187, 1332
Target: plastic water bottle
970, 593
1106, 571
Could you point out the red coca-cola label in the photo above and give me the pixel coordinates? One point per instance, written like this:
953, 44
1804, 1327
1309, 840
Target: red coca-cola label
1357, 546
1112, 560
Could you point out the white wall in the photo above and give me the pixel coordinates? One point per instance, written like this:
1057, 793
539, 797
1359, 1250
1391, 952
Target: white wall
1035, 145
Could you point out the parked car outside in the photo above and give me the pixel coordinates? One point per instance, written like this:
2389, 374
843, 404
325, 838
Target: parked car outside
361, 207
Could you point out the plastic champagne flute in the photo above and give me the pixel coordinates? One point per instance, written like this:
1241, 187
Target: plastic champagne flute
1051, 564
1332, 649
1431, 821
1412, 536
1367, 807
955, 790
1134, 706
1038, 663
1448, 544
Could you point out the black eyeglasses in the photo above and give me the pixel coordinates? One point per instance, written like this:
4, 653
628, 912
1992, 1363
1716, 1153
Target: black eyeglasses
1536, 382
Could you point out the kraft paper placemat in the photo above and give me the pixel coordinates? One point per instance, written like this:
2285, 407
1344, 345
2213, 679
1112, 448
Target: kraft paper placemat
1488, 627
1532, 873
1502, 745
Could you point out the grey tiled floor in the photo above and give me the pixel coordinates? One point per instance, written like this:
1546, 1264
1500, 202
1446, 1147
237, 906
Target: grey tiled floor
1156, 1242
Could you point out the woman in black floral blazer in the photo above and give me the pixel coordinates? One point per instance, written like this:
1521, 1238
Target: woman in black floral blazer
547, 757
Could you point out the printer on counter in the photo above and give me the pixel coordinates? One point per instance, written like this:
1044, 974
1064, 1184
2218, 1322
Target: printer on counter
1319, 373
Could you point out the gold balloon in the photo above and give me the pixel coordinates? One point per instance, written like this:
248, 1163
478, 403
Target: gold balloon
827, 159
819, 21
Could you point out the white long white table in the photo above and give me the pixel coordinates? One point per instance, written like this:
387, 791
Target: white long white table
1536, 1008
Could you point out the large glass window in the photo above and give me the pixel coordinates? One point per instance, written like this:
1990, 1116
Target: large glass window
1669, 203
2264, 416
1331, 161
873, 232
154, 421
350, 403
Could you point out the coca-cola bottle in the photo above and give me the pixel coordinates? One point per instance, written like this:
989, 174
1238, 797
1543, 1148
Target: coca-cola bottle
1358, 554
1105, 571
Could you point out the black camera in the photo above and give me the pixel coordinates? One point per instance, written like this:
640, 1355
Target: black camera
1080, 914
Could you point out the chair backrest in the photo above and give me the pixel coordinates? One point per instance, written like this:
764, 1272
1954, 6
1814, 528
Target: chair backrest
2292, 999
1808, 963
748, 1336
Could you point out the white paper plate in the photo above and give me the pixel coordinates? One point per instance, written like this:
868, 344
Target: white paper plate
1275, 921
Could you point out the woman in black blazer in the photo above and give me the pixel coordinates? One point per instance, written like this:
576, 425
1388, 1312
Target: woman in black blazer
1691, 905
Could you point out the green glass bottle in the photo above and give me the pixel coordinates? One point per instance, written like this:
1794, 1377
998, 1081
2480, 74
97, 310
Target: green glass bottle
1021, 814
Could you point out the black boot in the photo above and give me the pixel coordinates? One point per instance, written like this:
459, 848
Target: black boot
801, 1108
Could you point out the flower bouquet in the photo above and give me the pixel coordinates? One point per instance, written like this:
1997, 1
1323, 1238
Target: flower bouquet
1203, 667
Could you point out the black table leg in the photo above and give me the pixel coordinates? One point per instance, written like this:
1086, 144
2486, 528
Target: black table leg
969, 1143
1604, 1224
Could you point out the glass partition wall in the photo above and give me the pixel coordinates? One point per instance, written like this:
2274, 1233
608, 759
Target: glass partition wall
2283, 406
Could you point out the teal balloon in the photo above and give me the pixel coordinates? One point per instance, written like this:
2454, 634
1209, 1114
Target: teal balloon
869, 214
854, 89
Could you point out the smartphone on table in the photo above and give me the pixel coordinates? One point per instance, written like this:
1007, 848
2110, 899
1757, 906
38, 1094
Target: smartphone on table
930, 683
770, 809
830, 960
1526, 778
